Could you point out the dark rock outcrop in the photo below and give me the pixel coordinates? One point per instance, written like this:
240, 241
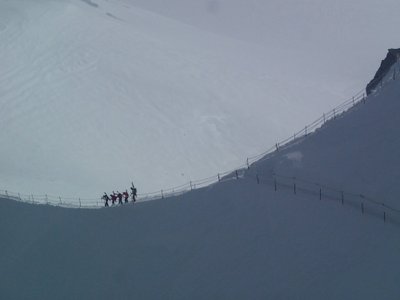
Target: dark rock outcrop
391, 58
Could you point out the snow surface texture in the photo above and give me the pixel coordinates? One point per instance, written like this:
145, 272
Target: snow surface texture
94, 94
232, 240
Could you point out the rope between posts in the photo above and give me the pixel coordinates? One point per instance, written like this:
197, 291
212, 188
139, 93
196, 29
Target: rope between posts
288, 181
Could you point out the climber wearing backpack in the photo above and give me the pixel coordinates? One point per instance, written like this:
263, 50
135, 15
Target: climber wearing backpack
106, 199
133, 193
119, 195
126, 196
113, 198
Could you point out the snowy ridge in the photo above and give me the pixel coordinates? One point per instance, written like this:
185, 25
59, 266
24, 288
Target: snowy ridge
315, 218
365, 204
237, 239
72, 202
174, 191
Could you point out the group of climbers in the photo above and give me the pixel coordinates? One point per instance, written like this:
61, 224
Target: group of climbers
121, 197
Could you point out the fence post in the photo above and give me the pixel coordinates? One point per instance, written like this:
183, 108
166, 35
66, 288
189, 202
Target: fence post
258, 179
80, 203
219, 178
248, 166
237, 175
277, 146
334, 113
19, 196
353, 100
33, 200
47, 200
324, 118
191, 187
384, 217
364, 98
294, 185
60, 200
305, 130
8, 197
162, 194
320, 193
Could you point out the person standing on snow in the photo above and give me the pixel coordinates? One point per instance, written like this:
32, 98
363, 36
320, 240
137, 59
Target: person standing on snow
126, 196
133, 193
106, 199
113, 198
119, 195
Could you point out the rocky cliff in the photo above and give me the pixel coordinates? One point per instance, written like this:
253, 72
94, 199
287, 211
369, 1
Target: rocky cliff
391, 58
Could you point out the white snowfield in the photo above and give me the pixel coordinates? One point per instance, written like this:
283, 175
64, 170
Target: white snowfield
95, 94
236, 239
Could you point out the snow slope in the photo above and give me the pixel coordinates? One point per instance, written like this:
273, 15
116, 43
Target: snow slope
232, 240
358, 152
94, 94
